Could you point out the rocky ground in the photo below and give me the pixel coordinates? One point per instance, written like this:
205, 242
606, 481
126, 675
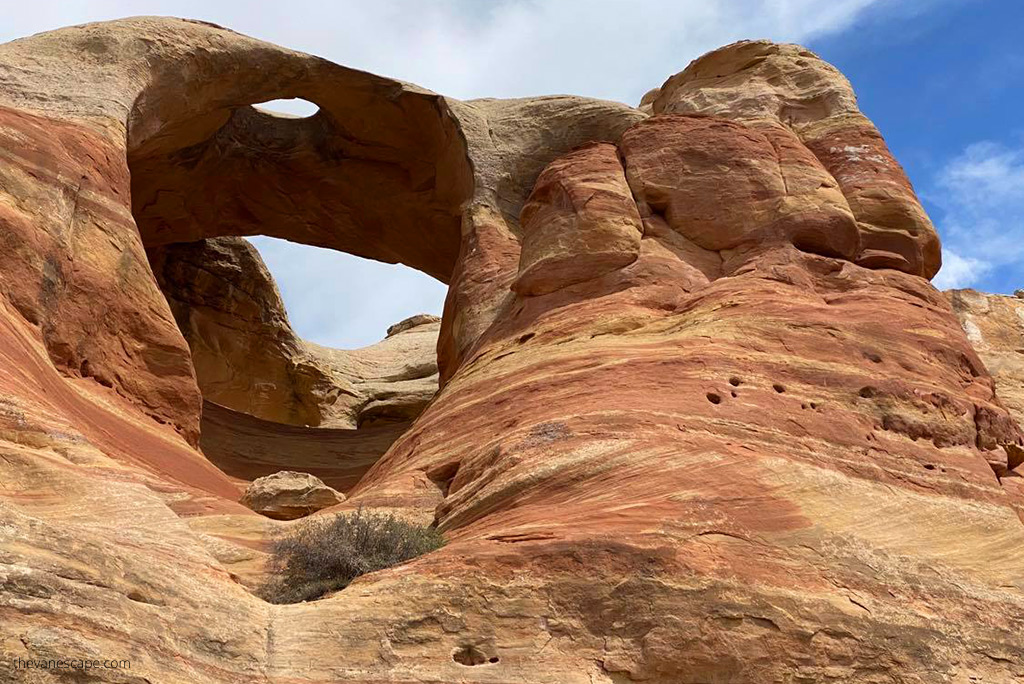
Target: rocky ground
699, 416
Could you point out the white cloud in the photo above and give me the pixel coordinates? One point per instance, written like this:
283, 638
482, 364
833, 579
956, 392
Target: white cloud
344, 301
986, 173
614, 49
981, 196
958, 271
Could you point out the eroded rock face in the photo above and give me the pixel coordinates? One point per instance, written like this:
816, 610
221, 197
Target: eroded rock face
746, 441
579, 223
724, 186
246, 447
287, 495
769, 86
994, 324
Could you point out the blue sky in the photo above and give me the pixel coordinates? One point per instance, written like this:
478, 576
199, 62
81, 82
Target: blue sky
946, 88
942, 79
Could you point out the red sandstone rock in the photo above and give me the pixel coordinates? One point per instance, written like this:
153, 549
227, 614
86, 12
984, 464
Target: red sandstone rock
756, 450
762, 83
580, 222
725, 186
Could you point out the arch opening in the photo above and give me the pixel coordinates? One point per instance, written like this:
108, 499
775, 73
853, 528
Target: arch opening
342, 301
376, 172
273, 400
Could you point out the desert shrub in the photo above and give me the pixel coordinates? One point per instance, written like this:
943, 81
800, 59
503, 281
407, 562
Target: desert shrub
324, 555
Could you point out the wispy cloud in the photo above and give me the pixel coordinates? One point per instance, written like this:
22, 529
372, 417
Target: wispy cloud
341, 300
980, 193
958, 271
614, 49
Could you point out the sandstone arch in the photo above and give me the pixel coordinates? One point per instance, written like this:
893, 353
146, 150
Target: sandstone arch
380, 171
148, 100
694, 460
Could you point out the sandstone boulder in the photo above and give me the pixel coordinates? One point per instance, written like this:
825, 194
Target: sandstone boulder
287, 495
725, 186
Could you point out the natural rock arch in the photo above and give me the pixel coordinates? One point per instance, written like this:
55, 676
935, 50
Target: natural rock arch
157, 107
380, 171
693, 459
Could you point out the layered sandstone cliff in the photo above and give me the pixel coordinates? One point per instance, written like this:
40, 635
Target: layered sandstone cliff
701, 418
994, 325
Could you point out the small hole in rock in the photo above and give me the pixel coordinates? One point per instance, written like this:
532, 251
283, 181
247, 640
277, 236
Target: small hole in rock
526, 338
734, 395
290, 108
867, 392
814, 405
734, 381
778, 388
139, 597
471, 655
714, 398
929, 466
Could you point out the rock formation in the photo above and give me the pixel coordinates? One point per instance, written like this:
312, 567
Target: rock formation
771, 87
287, 495
701, 418
994, 325
246, 447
